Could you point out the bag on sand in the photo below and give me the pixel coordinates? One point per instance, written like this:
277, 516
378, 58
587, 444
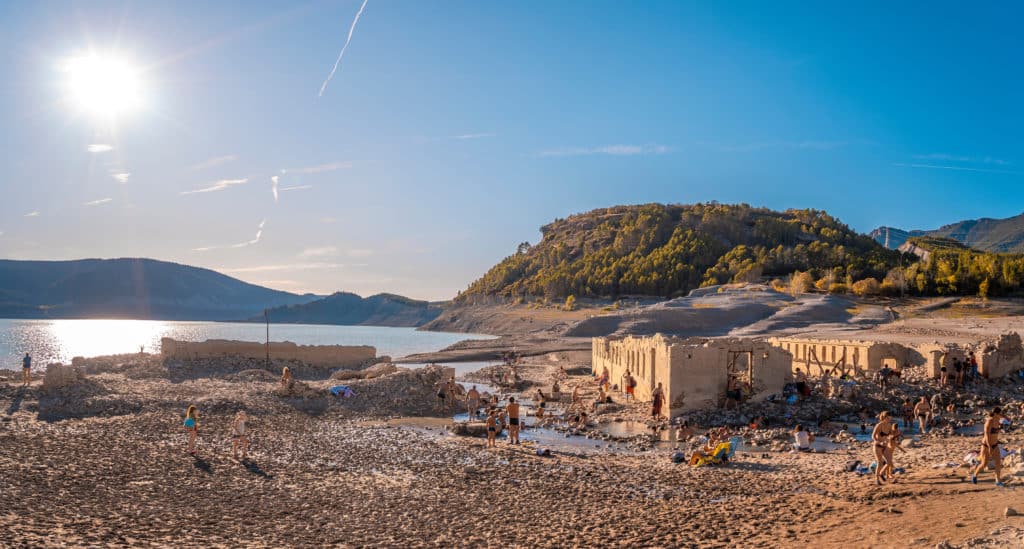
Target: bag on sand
852, 465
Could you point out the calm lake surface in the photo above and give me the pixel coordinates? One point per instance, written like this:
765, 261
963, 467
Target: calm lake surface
61, 340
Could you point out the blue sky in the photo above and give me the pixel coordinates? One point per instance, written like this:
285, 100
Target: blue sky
453, 130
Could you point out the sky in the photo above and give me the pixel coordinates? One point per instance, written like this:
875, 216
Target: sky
451, 131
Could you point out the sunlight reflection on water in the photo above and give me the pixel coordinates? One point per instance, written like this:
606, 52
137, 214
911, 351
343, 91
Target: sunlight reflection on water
61, 340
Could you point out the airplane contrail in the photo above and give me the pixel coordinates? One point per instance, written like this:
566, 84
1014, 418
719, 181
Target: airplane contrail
273, 186
342, 53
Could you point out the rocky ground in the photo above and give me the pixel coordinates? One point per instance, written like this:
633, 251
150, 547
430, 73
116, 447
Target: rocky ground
346, 475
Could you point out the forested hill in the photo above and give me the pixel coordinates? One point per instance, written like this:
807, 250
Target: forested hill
668, 250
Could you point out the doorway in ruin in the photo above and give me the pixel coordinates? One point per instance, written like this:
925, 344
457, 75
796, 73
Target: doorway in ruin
739, 368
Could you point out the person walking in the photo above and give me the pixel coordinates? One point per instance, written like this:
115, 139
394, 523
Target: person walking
922, 410
881, 439
240, 436
192, 427
26, 370
658, 402
990, 446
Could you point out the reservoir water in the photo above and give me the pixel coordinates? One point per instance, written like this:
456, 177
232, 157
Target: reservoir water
61, 340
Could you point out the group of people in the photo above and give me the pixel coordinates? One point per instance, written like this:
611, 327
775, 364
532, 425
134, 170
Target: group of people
629, 385
960, 372
239, 432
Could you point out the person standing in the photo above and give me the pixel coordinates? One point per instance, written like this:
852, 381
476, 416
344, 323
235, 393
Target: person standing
472, 401
240, 436
492, 429
972, 366
659, 400
513, 420
922, 410
26, 370
192, 427
630, 387
990, 446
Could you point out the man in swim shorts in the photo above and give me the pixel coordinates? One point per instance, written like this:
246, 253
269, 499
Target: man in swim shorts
513, 420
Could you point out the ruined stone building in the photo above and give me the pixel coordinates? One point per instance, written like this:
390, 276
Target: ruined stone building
996, 356
345, 356
694, 372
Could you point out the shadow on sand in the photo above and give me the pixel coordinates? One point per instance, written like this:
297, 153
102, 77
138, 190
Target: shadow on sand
202, 465
16, 403
254, 468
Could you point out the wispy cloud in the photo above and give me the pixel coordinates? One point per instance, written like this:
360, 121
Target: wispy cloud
820, 145
957, 158
121, 177
323, 251
341, 54
295, 188
218, 186
211, 162
97, 202
321, 168
99, 148
473, 135
259, 234
273, 186
360, 252
613, 150
34, 213
286, 267
956, 168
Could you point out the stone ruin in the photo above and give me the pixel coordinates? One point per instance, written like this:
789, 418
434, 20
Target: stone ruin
62, 375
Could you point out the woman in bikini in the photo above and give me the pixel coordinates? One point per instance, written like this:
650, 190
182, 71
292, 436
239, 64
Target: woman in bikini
880, 439
192, 426
990, 446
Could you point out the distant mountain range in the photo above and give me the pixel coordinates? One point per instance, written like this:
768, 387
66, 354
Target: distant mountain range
350, 309
990, 235
130, 288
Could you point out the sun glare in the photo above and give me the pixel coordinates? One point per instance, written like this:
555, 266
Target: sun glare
103, 86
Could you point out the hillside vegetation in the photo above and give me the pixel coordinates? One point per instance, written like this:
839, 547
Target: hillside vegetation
668, 250
954, 269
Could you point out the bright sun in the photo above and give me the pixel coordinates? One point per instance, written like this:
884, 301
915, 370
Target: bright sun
103, 86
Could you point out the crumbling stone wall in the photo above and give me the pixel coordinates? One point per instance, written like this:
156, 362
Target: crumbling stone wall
61, 375
344, 356
814, 356
693, 371
1000, 357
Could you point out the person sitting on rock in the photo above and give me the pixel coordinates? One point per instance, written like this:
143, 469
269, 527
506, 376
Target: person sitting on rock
684, 432
802, 438
286, 378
